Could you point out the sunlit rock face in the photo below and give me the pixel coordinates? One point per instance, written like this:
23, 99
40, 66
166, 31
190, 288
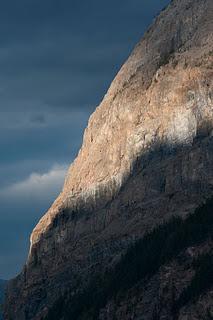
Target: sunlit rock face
147, 154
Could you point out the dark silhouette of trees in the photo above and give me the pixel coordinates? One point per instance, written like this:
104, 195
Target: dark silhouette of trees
141, 261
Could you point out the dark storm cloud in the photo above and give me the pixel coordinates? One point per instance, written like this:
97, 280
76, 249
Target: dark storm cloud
52, 50
38, 118
57, 59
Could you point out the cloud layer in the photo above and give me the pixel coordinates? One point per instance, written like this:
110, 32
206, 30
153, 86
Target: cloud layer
37, 187
22, 204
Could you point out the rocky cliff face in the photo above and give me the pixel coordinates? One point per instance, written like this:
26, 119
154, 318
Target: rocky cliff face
147, 155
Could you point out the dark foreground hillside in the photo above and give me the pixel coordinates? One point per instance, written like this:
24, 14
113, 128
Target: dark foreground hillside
184, 246
2, 289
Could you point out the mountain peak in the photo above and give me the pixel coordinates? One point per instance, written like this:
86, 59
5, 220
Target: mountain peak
173, 41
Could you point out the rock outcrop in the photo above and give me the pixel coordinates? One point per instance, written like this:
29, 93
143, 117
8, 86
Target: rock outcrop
147, 155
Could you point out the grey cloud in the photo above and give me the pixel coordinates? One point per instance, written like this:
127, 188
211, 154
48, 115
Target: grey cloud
36, 187
38, 118
35, 194
60, 48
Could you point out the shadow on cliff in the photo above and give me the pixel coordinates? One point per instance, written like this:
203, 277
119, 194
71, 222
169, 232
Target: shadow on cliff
142, 261
150, 164
152, 157
144, 258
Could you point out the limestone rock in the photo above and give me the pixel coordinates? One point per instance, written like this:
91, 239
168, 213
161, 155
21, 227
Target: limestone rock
147, 154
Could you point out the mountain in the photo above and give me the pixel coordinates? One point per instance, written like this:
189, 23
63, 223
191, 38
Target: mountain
130, 235
2, 289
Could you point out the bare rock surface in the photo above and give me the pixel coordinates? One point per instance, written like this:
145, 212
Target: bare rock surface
147, 154
155, 298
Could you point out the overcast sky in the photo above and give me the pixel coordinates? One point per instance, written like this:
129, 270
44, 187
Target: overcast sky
57, 59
